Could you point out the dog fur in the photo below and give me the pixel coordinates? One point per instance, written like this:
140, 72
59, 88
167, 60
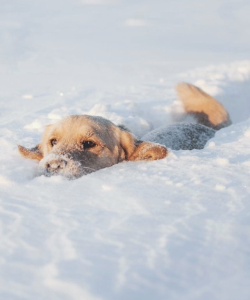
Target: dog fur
204, 108
72, 157
79, 145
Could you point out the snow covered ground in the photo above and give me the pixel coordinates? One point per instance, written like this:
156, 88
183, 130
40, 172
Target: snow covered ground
172, 229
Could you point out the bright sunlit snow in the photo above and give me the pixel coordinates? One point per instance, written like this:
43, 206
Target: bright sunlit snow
173, 229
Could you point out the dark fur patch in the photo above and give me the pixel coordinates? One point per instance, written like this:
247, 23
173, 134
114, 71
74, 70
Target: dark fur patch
181, 136
123, 127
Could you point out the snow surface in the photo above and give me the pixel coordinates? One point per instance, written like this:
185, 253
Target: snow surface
172, 229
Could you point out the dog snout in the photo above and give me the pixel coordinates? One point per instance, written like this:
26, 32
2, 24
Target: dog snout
55, 165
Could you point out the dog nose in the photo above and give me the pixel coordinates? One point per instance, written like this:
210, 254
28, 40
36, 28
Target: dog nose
56, 165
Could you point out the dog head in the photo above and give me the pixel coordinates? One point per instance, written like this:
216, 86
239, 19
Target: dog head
79, 145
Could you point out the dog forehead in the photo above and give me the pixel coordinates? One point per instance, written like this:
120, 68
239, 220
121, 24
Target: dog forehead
81, 124
85, 120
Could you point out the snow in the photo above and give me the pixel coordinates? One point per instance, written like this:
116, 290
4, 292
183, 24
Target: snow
172, 229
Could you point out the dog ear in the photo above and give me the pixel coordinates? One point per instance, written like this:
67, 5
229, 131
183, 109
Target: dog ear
127, 142
148, 151
34, 153
139, 150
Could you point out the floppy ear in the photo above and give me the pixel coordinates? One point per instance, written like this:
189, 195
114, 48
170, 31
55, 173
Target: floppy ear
138, 150
127, 141
34, 153
148, 151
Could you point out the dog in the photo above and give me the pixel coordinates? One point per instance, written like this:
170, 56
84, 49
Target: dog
82, 144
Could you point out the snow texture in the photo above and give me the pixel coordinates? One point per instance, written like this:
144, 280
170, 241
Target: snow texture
174, 229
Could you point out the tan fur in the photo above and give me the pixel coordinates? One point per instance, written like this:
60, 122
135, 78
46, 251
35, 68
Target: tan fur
127, 142
31, 154
67, 157
202, 106
149, 151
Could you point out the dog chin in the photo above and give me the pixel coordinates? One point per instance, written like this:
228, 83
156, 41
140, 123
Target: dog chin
65, 174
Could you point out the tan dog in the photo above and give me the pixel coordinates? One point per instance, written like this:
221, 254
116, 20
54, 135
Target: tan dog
79, 145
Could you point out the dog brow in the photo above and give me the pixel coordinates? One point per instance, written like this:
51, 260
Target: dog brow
89, 134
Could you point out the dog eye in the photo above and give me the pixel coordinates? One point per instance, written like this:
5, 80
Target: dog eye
53, 142
88, 144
